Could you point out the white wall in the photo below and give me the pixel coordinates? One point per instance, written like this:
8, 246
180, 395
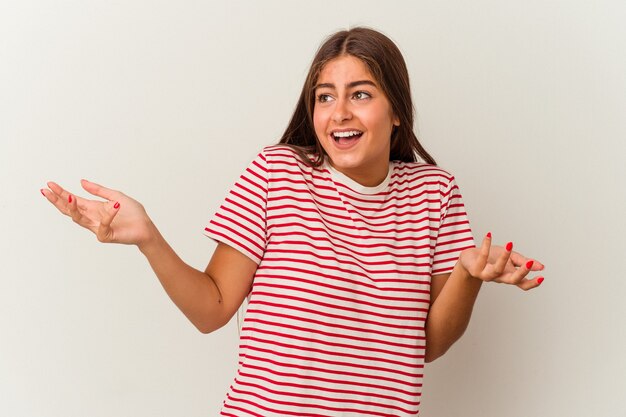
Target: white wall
525, 101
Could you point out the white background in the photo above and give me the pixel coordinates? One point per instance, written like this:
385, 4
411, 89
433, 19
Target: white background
524, 101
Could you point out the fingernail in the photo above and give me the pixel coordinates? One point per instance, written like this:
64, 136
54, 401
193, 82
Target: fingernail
489, 235
529, 264
116, 205
539, 280
42, 193
509, 246
69, 199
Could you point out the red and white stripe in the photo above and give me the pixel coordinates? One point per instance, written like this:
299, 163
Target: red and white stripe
335, 320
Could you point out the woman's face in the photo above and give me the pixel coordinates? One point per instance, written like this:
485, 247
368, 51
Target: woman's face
353, 120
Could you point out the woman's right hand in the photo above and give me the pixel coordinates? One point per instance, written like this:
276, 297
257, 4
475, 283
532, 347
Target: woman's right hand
120, 219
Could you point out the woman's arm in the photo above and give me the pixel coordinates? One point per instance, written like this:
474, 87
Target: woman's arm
452, 300
209, 299
453, 295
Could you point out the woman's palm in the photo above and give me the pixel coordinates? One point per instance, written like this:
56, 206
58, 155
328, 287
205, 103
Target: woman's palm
120, 219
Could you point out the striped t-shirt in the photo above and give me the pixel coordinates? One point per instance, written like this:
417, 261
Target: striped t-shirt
336, 314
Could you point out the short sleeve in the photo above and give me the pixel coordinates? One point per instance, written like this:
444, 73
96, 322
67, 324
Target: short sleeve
240, 222
454, 234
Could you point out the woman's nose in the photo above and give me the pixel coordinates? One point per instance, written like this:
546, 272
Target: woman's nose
341, 112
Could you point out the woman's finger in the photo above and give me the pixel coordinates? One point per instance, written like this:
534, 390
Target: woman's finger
99, 190
55, 196
105, 232
529, 284
50, 196
498, 267
60, 198
73, 209
520, 273
483, 256
57, 189
519, 260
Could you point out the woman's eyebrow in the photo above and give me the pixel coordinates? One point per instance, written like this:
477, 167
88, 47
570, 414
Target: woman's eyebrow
348, 86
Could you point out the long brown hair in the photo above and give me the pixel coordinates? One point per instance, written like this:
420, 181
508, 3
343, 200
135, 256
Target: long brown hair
386, 64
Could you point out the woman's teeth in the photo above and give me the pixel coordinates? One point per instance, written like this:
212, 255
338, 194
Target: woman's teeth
347, 135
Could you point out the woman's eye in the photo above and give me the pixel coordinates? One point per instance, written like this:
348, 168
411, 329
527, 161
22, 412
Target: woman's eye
323, 98
361, 95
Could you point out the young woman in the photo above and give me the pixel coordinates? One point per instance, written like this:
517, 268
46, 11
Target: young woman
358, 261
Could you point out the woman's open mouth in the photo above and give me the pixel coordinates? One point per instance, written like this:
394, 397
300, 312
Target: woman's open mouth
346, 139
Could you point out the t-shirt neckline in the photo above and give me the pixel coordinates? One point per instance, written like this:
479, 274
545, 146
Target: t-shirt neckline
355, 186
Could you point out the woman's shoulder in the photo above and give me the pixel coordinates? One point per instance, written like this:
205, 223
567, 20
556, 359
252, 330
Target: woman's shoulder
422, 171
284, 154
280, 150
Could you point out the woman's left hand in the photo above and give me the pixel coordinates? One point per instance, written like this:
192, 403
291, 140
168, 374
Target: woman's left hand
500, 264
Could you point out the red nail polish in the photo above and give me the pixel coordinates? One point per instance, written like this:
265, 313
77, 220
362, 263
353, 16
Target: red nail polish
529, 264
69, 199
42, 193
539, 280
509, 246
116, 205
489, 235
